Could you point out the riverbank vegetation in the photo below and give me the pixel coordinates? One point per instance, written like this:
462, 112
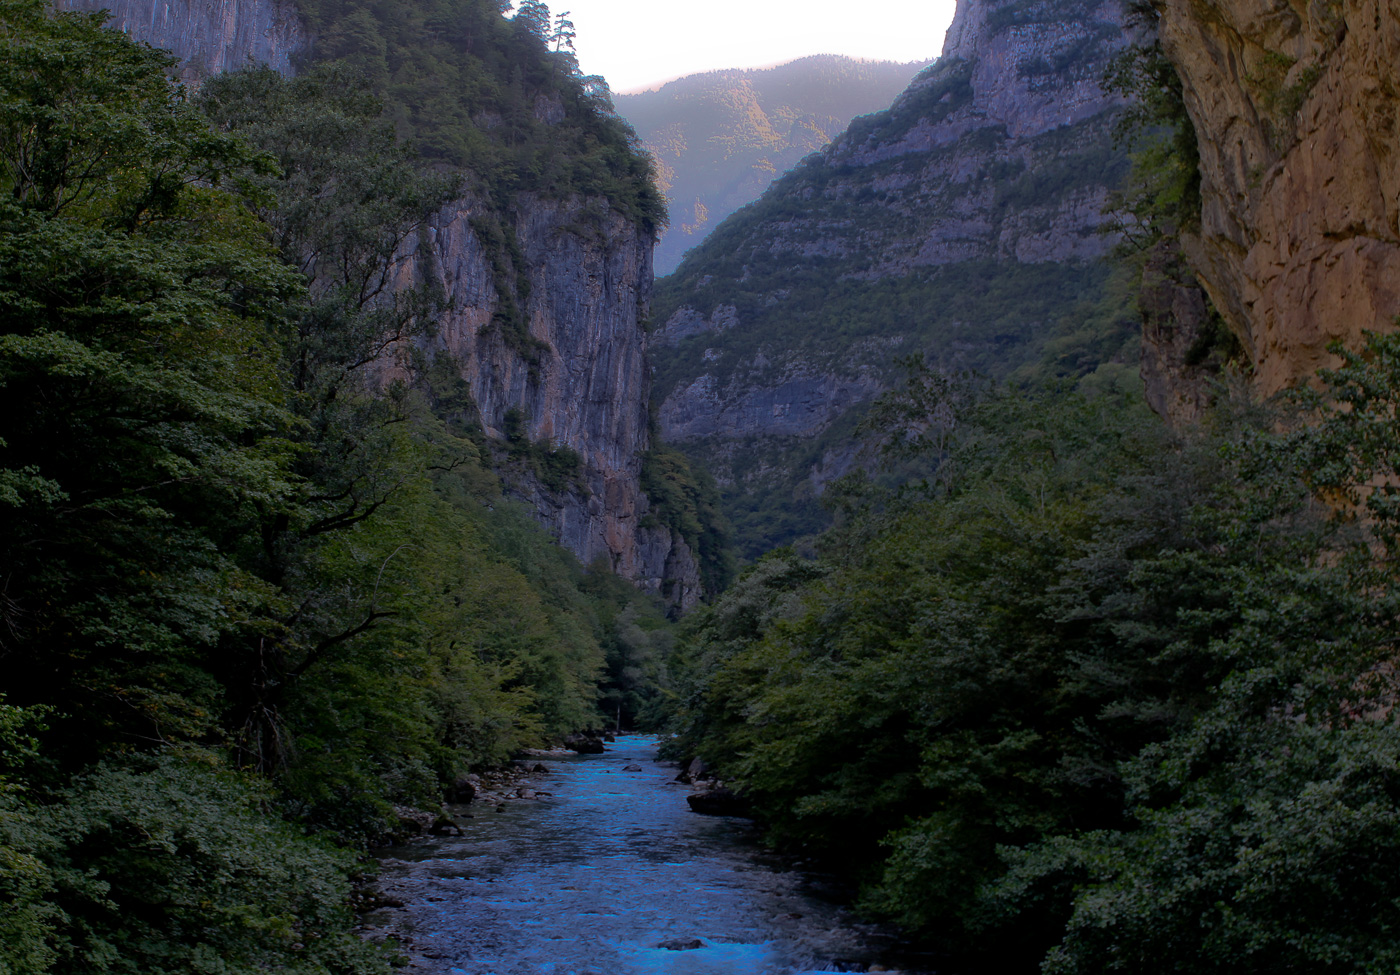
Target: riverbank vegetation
1091, 696
253, 594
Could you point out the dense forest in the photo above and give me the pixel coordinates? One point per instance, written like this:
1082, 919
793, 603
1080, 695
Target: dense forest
253, 596
1066, 689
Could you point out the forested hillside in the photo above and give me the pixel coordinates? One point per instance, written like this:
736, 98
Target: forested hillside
964, 223
254, 593
1065, 687
1094, 696
721, 137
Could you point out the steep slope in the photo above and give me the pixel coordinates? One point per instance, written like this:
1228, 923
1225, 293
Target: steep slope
1295, 110
721, 137
964, 223
544, 264
210, 38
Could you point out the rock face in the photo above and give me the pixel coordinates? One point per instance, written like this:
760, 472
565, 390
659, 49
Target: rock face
1296, 106
1176, 324
210, 36
582, 278
583, 381
963, 224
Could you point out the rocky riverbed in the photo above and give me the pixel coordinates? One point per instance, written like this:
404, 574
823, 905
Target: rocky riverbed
596, 865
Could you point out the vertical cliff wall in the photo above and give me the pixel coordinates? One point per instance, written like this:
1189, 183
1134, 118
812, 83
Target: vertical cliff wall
575, 368
581, 377
1295, 105
210, 36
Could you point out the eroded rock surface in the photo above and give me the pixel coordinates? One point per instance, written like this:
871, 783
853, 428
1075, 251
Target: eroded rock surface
210, 36
1295, 106
583, 384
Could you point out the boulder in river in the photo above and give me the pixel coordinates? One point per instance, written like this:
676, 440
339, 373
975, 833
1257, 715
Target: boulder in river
631, 768
413, 821
584, 744
719, 802
463, 789
445, 827
682, 944
694, 771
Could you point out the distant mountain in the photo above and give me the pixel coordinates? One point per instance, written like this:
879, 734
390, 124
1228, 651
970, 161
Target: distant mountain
964, 225
721, 137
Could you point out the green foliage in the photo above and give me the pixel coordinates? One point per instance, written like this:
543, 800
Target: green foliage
1352, 456
138, 377
556, 466
1094, 696
172, 865
1162, 193
684, 498
251, 595
512, 285
473, 90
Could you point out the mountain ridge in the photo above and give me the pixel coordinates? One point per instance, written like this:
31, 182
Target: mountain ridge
964, 224
720, 137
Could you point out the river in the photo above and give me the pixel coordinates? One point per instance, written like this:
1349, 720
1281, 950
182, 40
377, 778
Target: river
597, 877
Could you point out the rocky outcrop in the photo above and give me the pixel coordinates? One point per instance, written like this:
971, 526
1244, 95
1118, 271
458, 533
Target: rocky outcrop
801, 401
1296, 107
1185, 345
572, 361
577, 376
210, 36
720, 801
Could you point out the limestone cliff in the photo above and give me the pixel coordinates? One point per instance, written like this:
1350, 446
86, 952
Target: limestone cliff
1296, 107
579, 275
210, 36
582, 382
963, 224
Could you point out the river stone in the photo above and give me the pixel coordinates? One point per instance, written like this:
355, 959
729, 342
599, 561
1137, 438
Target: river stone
414, 820
694, 771
445, 827
682, 944
584, 744
631, 768
718, 802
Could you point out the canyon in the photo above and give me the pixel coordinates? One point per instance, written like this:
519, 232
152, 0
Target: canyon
579, 381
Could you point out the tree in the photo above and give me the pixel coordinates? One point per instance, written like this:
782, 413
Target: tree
142, 410
534, 19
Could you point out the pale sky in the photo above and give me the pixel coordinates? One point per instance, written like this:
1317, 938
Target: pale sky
642, 43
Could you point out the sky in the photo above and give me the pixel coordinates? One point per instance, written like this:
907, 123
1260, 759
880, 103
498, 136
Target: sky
638, 44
